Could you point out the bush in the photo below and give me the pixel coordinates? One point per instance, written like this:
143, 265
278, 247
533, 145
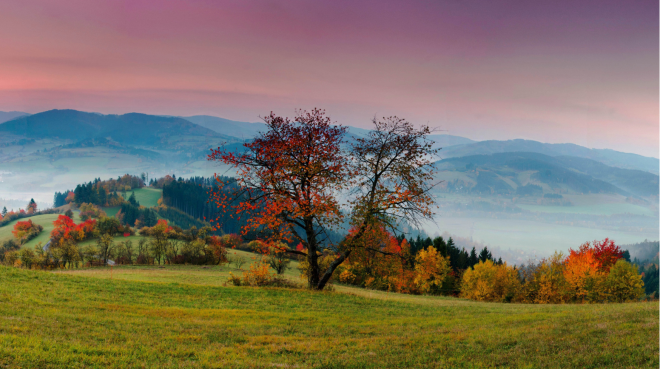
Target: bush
25, 231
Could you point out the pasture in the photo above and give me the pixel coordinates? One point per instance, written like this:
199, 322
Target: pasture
146, 196
52, 320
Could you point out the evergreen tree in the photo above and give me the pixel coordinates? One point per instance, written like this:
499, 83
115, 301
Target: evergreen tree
4, 211
103, 198
485, 255
474, 259
440, 245
132, 199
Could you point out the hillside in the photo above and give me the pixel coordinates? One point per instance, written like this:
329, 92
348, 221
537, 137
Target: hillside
508, 173
133, 128
57, 320
608, 157
9, 115
242, 130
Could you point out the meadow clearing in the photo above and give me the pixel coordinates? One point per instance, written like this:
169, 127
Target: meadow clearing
182, 316
146, 196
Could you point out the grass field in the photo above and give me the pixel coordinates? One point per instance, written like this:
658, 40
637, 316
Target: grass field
146, 196
51, 320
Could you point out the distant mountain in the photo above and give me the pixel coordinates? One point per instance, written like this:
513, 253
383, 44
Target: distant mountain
242, 130
9, 115
605, 156
505, 173
246, 131
445, 141
132, 128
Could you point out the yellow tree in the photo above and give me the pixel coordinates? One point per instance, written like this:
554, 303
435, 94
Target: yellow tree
431, 268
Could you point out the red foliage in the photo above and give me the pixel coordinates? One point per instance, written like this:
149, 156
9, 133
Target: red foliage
67, 229
607, 253
126, 234
69, 197
20, 228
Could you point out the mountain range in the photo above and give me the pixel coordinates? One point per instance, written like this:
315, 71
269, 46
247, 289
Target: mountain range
494, 166
504, 173
132, 128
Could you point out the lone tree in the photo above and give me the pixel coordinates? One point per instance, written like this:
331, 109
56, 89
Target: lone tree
291, 178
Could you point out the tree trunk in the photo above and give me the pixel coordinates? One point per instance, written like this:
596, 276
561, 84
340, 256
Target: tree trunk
312, 257
328, 273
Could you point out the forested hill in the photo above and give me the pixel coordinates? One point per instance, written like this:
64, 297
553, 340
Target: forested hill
133, 128
504, 172
9, 115
228, 127
608, 157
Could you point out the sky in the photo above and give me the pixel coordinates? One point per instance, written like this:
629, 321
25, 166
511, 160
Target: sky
583, 71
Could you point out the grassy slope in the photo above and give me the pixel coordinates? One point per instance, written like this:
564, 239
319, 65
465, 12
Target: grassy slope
45, 221
146, 196
54, 320
207, 275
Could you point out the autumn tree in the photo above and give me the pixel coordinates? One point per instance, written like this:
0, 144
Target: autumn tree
290, 179
624, 283
32, 207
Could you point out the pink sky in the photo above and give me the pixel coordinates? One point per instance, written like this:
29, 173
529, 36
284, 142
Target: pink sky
550, 71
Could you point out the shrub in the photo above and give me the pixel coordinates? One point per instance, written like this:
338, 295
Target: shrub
258, 275
25, 231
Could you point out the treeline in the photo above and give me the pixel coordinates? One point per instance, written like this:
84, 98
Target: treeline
134, 215
459, 258
191, 196
595, 272
162, 243
98, 192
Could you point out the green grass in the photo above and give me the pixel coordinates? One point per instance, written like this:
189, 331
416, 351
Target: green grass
207, 275
146, 196
50, 320
45, 221
111, 212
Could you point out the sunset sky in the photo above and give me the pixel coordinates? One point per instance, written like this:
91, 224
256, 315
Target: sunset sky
554, 71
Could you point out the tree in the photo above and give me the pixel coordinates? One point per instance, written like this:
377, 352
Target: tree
32, 207
488, 281
583, 274
132, 199
69, 213
431, 269
607, 253
485, 255
293, 176
4, 211
474, 259
624, 282
278, 261
105, 246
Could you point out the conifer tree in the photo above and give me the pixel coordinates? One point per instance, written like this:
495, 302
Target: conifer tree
485, 255
474, 259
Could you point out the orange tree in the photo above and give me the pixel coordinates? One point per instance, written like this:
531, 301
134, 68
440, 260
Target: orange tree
299, 179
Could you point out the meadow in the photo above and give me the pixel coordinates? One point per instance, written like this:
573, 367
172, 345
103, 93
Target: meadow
45, 221
53, 320
147, 197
